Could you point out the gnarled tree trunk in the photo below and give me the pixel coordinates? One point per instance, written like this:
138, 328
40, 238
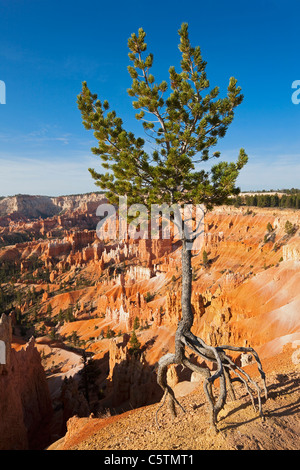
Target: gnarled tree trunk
225, 366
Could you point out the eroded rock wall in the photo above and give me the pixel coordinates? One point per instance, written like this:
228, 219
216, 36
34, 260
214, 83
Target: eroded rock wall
25, 406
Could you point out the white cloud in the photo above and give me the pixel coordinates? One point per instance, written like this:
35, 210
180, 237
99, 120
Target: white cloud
276, 172
51, 177
266, 169
55, 176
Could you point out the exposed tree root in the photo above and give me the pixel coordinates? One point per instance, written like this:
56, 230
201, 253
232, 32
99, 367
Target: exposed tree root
225, 366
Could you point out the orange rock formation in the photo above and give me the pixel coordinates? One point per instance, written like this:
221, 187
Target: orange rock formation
246, 294
24, 396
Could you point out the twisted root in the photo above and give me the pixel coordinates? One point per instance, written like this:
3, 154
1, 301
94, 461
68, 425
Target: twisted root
225, 365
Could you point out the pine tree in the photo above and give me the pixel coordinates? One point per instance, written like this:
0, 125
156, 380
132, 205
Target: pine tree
134, 343
49, 310
204, 257
289, 228
184, 119
136, 323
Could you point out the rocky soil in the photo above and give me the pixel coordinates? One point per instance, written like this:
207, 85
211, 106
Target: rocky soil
240, 427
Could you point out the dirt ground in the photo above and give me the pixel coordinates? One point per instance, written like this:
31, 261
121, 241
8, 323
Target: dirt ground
240, 427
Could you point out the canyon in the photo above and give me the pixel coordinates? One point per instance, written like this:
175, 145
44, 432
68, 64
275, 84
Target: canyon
73, 305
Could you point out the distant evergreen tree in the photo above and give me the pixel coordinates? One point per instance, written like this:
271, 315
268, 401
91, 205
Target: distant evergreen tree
289, 228
136, 323
204, 258
49, 310
274, 200
134, 343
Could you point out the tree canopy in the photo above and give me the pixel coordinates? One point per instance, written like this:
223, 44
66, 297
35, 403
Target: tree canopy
183, 119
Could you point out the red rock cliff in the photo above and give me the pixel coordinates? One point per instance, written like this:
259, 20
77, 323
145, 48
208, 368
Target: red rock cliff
25, 406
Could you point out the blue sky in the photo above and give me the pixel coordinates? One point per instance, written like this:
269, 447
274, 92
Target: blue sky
47, 48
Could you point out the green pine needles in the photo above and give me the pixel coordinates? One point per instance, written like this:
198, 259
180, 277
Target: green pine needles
183, 119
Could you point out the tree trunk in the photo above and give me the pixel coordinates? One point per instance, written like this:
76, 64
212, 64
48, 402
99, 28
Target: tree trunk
224, 364
187, 316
